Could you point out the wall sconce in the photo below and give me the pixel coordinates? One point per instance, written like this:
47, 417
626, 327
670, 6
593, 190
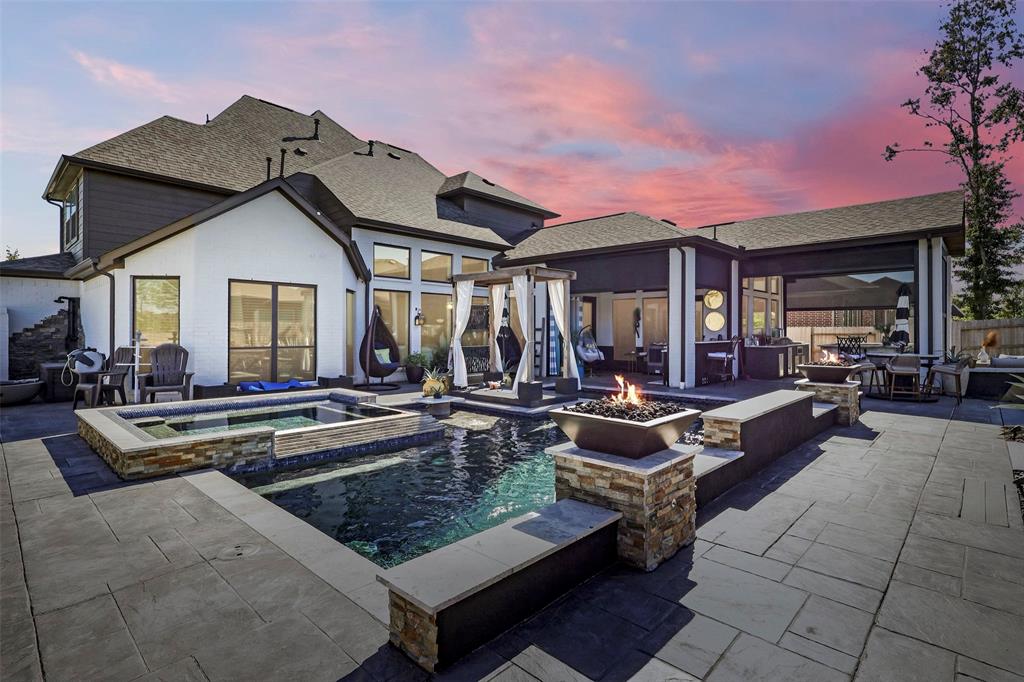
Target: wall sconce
419, 320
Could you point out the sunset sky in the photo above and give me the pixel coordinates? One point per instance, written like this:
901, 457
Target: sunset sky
696, 112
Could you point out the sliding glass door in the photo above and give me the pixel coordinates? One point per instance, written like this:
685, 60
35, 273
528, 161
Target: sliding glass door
272, 332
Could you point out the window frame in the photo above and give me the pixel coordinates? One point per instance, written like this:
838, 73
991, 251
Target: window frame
408, 266
136, 278
485, 261
274, 346
71, 227
451, 265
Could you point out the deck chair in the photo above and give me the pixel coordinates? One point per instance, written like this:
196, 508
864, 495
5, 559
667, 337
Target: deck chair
111, 382
168, 363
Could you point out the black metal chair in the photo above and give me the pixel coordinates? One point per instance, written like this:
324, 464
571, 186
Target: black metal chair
722, 367
379, 353
851, 347
168, 363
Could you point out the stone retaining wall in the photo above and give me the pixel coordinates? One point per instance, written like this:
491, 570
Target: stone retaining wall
846, 396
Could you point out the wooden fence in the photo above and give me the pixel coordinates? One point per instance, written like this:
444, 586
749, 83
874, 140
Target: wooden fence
968, 335
815, 336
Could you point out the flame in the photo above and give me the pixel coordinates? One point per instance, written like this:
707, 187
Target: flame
628, 393
829, 357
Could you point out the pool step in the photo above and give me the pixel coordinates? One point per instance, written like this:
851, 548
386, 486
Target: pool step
346, 435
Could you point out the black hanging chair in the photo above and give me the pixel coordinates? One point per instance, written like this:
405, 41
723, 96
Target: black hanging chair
379, 342
511, 350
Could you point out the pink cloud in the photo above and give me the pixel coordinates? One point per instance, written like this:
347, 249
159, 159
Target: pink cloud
126, 79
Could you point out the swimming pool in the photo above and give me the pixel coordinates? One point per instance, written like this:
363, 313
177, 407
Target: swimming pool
394, 507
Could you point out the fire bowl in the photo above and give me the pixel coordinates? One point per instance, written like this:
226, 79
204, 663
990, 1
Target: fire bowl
827, 374
623, 437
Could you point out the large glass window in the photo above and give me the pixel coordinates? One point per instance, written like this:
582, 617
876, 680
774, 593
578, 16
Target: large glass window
350, 331
390, 261
272, 332
394, 310
436, 332
155, 311
474, 265
435, 267
760, 314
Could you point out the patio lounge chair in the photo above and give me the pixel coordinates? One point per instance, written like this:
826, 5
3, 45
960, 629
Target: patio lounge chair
111, 382
906, 367
167, 373
378, 353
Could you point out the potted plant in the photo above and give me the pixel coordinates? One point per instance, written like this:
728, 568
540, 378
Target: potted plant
415, 363
954, 357
434, 383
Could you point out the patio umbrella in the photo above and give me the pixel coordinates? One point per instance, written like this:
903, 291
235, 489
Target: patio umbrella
901, 333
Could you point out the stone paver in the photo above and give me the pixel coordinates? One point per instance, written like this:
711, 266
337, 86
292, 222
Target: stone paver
850, 556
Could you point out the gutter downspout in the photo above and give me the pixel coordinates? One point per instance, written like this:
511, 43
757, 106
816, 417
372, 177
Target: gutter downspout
113, 301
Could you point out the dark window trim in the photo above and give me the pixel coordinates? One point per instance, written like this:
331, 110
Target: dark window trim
274, 347
136, 278
462, 269
451, 265
373, 259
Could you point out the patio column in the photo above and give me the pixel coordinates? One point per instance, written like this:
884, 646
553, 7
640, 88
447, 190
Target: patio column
922, 303
689, 310
937, 289
735, 296
675, 316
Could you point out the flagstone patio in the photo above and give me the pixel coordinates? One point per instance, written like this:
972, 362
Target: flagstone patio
892, 550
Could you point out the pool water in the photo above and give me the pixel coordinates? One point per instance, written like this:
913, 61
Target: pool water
394, 507
292, 417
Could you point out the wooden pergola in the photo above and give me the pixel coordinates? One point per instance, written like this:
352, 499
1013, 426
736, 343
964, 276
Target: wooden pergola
534, 274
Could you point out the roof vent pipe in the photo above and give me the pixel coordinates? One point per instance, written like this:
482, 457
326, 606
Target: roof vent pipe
714, 233
269, 161
283, 152
370, 153
316, 129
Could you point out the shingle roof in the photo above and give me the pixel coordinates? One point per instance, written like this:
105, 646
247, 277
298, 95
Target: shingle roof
228, 152
52, 264
881, 218
398, 187
620, 229
470, 182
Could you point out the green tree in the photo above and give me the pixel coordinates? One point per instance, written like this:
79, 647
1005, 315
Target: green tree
980, 116
11, 255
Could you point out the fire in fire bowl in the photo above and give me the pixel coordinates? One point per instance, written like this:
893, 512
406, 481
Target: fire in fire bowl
613, 425
827, 373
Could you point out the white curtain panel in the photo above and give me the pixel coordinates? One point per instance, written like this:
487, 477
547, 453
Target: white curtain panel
497, 308
556, 299
463, 303
521, 287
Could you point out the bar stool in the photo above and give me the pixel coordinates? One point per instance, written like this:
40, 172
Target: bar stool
908, 367
939, 371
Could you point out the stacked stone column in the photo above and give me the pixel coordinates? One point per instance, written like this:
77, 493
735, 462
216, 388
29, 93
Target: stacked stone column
845, 395
656, 496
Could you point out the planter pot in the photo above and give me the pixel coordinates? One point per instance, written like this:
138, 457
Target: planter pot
623, 437
414, 374
16, 392
827, 374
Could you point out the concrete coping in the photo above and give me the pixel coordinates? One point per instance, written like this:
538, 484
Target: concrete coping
448, 575
644, 466
752, 408
808, 382
710, 459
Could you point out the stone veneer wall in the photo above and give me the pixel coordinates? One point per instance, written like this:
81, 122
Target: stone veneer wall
722, 433
42, 342
846, 396
162, 459
413, 631
658, 507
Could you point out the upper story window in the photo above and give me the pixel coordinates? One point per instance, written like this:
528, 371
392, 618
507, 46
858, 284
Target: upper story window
71, 213
390, 261
435, 267
474, 265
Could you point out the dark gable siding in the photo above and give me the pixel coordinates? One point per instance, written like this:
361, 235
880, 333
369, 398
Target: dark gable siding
617, 272
713, 271
313, 191
120, 208
510, 223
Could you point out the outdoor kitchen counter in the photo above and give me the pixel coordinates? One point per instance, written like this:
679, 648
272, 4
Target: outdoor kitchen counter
771, 362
